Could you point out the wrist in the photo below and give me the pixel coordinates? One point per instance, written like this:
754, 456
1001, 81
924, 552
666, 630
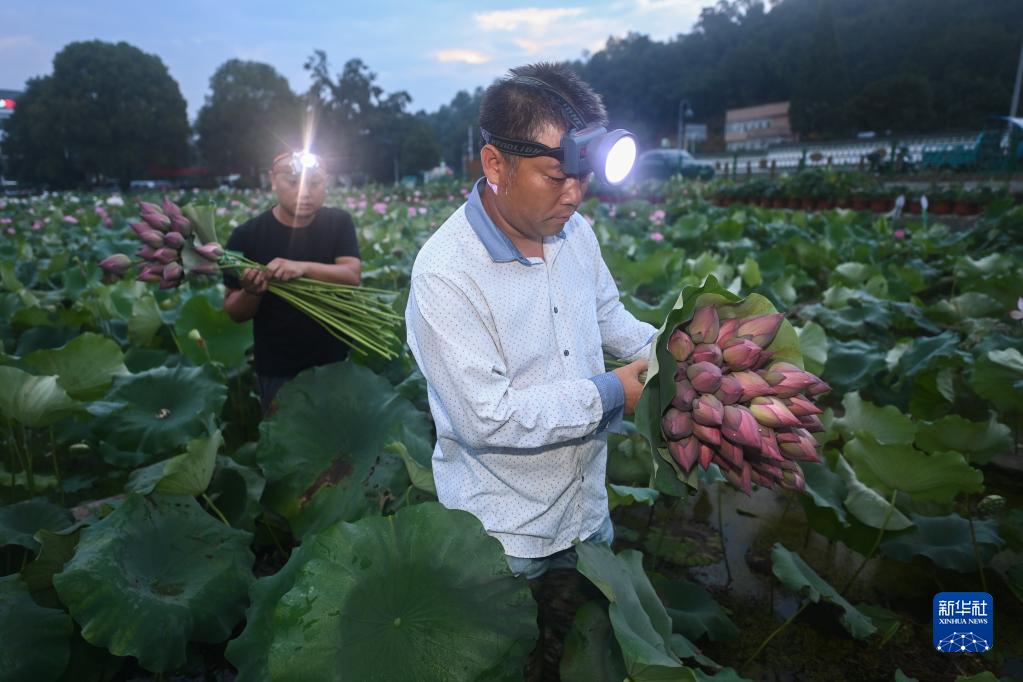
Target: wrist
253, 294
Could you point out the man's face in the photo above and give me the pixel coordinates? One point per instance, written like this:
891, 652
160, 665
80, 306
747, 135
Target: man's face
539, 198
299, 195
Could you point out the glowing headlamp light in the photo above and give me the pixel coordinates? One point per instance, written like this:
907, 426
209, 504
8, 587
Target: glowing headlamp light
300, 162
583, 149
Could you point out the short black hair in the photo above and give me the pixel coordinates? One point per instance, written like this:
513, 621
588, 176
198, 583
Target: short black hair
519, 111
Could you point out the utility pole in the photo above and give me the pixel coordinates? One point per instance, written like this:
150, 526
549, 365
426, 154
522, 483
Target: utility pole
1014, 106
684, 111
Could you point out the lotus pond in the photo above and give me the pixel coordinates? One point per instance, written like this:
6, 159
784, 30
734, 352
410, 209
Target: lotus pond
153, 527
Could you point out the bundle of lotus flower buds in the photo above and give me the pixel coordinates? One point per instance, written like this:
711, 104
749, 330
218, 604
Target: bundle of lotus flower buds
736, 408
165, 232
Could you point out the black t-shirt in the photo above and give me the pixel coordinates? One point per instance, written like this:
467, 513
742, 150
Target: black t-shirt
287, 340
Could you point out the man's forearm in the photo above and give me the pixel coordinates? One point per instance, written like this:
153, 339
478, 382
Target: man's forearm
240, 305
336, 273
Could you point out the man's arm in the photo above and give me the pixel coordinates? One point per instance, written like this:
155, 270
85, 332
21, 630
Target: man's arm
621, 334
242, 304
460, 358
344, 270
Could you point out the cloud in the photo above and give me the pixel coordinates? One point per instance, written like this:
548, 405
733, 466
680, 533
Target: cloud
14, 42
539, 21
462, 56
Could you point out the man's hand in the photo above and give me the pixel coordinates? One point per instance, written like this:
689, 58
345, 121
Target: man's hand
283, 269
629, 376
254, 281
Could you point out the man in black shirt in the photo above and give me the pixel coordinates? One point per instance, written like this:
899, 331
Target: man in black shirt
295, 238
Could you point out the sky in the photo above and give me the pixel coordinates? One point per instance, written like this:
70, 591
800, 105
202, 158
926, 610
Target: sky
431, 49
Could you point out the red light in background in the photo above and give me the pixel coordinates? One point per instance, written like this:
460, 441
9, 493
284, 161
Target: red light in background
6, 103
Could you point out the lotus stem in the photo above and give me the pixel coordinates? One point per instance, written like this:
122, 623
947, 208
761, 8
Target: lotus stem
215, 509
721, 536
777, 631
873, 548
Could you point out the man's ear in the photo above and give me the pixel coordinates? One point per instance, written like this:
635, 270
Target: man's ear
495, 168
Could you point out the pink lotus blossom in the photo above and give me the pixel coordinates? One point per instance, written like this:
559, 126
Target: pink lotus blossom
350, 203
657, 217
37, 225
71, 219
380, 207
362, 204
656, 236
5, 221
221, 211
11, 231
235, 202
411, 212
899, 234
422, 210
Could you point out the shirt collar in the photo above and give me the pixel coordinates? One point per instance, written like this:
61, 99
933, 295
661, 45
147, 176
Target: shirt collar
496, 242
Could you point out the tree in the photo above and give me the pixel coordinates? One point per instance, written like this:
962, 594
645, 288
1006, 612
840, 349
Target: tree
451, 124
108, 111
248, 116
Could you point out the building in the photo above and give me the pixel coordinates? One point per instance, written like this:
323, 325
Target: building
759, 127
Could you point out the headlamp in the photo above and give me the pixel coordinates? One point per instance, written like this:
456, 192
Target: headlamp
583, 149
300, 162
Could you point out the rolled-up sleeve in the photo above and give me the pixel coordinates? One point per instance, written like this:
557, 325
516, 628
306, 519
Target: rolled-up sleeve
459, 354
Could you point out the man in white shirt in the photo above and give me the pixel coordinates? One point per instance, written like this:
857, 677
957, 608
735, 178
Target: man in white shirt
510, 313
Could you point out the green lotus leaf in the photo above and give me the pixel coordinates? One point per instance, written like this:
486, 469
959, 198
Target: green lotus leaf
34, 401
694, 613
946, 540
36, 640
640, 622
978, 441
20, 521
814, 343
886, 425
328, 438
938, 476
995, 375
793, 572
158, 410
867, 505
925, 352
204, 219
186, 474
625, 495
154, 574
1014, 579
591, 652
84, 367
423, 595
421, 476
236, 489
145, 320
223, 340
722, 675
852, 365
825, 488
56, 549
903, 677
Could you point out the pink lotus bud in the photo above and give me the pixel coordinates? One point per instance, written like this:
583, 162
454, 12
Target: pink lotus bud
804, 448
730, 391
172, 272
152, 238
760, 479
760, 329
139, 228
170, 208
740, 426
211, 251
741, 354
680, 345
753, 385
116, 264
706, 455
726, 330
181, 224
769, 444
812, 423
711, 435
205, 268
148, 207
676, 424
149, 275
793, 480
801, 406
157, 220
705, 377
818, 388
787, 379
145, 252
731, 453
175, 240
707, 352
708, 410
685, 452
704, 326
166, 255
769, 469
169, 284
772, 412
685, 394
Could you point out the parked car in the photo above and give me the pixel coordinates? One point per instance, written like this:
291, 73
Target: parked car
661, 164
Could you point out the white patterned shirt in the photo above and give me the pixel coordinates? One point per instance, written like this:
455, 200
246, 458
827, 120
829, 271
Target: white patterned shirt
512, 349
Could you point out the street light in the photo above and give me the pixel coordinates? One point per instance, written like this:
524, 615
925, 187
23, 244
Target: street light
684, 111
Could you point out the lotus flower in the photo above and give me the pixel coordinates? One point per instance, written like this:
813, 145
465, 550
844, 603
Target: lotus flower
761, 329
157, 220
211, 251
707, 352
166, 255
740, 426
148, 207
152, 238
812, 423
731, 453
676, 424
680, 345
685, 452
818, 388
139, 228
741, 354
769, 444
801, 407
730, 390
704, 326
711, 435
116, 264
181, 224
708, 410
772, 412
148, 274
172, 272
753, 385
175, 240
145, 252
726, 330
170, 208
787, 380
705, 377
706, 455
685, 394
793, 480
799, 444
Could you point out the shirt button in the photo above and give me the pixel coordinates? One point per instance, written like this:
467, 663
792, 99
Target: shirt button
555, 309
566, 352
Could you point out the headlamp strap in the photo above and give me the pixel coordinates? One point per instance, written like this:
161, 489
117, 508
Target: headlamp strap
572, 115
520, 147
